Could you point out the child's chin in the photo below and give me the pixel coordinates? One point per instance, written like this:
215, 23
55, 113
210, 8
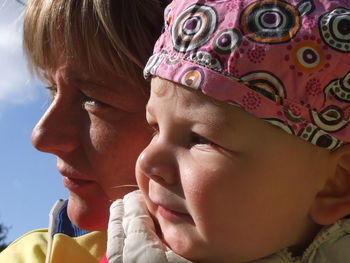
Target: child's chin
183, 246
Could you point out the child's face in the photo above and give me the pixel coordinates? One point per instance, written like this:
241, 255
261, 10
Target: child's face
223, 185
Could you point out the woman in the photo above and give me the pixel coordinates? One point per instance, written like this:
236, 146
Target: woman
91, 53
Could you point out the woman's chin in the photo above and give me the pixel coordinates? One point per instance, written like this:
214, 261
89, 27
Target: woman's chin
88, 213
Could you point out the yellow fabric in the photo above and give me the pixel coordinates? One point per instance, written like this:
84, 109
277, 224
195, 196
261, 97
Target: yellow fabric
88, 248
31, 248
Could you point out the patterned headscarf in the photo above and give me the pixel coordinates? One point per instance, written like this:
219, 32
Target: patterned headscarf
287, 62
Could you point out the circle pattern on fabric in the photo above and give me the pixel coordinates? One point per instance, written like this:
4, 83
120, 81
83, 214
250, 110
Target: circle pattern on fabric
319, 138
291, 116
335, 29
193, 77
270, 21
346, 82
308, 56
206, 59
280, 124
172, 60
324, 140
152, 64
340, 88
227, 40
193, 27
330, 119
266, 84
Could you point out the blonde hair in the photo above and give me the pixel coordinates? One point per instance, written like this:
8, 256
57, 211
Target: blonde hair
116, 35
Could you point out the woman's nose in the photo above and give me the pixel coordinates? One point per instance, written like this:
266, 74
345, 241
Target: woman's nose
58, 130
158, 162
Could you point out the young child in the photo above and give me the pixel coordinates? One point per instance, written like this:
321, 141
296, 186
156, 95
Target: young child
250, 160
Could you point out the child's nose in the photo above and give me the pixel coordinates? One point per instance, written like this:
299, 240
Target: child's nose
158, 162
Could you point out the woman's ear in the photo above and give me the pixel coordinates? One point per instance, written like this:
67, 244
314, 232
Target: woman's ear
332, 202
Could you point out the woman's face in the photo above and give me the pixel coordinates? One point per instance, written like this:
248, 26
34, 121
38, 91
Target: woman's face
96, 127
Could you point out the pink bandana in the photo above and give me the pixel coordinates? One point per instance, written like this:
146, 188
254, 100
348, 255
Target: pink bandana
287, 62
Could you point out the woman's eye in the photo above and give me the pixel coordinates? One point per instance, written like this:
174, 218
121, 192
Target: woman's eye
52, 91
92, 104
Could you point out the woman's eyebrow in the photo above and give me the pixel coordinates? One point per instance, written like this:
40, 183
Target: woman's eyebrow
85, 80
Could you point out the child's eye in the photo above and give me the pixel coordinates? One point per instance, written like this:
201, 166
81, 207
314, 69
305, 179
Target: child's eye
197, 139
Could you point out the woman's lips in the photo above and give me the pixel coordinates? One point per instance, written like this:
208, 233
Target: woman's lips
75, 184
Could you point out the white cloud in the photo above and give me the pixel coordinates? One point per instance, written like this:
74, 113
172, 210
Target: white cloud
16, 84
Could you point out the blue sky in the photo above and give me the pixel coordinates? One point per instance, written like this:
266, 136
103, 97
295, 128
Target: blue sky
30, 183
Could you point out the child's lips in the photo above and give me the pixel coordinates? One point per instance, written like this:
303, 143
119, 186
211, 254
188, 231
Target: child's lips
167, 204
171, 208
173, 215
170, 211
